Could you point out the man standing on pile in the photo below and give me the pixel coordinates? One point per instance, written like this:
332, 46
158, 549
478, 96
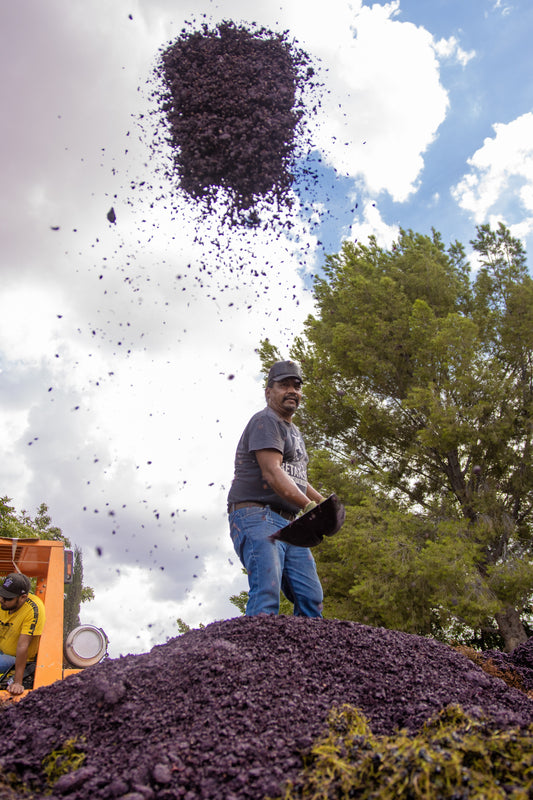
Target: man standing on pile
21, 625
268, 491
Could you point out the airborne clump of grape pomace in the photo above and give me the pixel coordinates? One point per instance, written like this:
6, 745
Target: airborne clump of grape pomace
232, 97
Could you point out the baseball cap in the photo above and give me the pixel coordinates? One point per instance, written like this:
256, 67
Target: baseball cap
285, 369
14, 585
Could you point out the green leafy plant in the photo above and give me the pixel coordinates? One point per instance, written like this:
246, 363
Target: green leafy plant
454, 756
62, 761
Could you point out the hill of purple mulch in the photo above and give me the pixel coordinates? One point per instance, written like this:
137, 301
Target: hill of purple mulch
518, 663
228, 710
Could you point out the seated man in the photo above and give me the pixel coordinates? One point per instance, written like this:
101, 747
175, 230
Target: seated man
21, 625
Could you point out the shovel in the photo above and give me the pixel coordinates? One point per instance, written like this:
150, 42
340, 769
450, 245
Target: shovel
308, 530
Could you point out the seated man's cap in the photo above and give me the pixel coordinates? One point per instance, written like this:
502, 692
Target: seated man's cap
14, 585
285, 369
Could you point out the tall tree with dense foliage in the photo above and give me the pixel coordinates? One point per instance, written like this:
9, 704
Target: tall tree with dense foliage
75, 594
419, 400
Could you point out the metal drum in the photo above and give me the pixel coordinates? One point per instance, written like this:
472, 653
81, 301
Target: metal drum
85, 646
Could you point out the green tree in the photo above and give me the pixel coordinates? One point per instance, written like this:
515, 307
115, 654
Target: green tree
240, 600
183, 627
419, 400
12, 526
75, 594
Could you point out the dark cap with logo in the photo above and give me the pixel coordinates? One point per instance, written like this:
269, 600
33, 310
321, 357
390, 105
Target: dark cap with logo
285, 369
14, 585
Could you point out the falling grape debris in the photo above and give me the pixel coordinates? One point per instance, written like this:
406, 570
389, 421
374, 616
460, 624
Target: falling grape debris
232, 97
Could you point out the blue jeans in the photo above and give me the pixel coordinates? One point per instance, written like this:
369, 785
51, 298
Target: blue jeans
6, 662
274, 566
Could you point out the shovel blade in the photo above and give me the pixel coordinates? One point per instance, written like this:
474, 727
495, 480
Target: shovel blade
309, 530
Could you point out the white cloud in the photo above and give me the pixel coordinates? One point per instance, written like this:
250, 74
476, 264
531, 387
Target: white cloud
504, 8
28, 326
451, 49
498, 186
372, 224
129, 594
384, 103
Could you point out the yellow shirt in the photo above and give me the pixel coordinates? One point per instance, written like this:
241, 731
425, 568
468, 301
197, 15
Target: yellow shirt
29, 619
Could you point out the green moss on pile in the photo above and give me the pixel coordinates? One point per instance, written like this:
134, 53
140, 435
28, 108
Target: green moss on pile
62, 761
454, 756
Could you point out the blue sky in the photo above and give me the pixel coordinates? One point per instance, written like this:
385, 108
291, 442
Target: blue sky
489, 84
494, 87
128, 352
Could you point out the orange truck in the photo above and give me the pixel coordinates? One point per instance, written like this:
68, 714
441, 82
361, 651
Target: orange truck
51, 565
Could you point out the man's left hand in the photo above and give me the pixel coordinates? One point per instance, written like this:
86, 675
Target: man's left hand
15, 688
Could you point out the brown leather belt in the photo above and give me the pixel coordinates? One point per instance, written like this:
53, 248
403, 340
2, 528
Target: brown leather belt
285, 514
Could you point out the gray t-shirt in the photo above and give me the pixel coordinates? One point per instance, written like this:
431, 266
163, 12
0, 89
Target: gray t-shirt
266, 431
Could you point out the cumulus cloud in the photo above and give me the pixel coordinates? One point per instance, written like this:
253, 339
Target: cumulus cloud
385, 101
128, 595
498, 186
450, 49
372, 224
